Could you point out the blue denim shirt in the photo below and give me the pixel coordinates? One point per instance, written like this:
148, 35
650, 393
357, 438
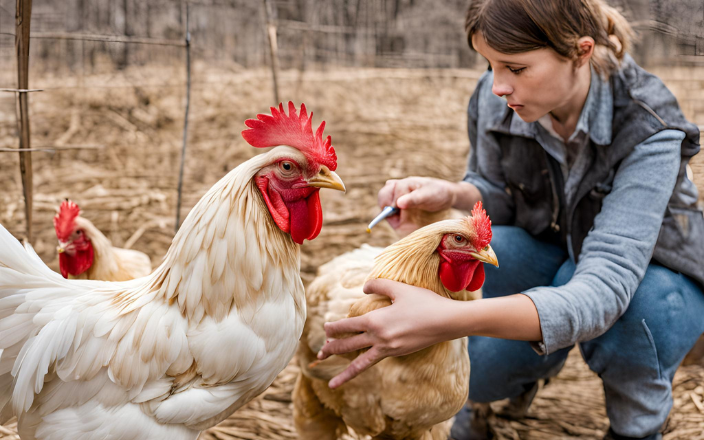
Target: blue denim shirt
617, 251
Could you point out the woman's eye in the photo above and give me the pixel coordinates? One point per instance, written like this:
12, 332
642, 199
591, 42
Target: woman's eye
516, 71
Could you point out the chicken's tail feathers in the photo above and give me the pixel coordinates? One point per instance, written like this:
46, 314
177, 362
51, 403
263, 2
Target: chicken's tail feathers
21, 269
21, 261
28, 288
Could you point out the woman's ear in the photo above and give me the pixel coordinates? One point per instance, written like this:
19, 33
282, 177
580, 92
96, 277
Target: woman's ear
585, 50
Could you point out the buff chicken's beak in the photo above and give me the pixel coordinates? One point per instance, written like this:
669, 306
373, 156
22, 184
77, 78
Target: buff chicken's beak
60, 249
486, 255
327, 179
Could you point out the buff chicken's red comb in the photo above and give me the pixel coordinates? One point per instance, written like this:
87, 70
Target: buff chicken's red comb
482, 226
294, 130
64, 220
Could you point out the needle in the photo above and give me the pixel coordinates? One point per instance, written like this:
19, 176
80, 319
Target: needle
386, 212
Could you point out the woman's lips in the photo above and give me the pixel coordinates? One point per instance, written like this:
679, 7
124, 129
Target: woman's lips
515, 106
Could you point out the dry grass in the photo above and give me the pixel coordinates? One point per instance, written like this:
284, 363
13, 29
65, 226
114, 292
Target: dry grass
384, 123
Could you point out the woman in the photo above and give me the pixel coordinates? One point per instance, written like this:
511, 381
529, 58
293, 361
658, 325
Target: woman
579, 157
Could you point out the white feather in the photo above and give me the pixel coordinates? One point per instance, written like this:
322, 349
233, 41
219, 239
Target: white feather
87, 359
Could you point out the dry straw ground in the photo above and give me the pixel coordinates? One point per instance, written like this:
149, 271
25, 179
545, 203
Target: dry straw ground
384, 124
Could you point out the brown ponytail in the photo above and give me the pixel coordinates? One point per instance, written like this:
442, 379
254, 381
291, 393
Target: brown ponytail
607, 57
515, 26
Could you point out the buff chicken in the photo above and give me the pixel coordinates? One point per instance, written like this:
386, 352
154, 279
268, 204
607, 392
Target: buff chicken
408, 397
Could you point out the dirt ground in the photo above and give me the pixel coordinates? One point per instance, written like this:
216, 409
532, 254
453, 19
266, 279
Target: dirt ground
384, 124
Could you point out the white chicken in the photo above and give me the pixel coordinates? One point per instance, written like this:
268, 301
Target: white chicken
168, 355
86, 253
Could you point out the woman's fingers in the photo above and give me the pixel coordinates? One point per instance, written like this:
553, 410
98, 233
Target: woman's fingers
404, 187
394, 189
345, 345
386, 194
417, 198
382, 287
339, 328
361, 363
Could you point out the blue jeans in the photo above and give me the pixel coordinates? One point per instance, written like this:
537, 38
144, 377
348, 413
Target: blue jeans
636, 358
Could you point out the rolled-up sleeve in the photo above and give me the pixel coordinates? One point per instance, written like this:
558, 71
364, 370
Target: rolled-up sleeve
617, 251
484, 168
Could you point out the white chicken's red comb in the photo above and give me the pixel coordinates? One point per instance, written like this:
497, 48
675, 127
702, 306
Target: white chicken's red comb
294, 130
64, 220
482, 226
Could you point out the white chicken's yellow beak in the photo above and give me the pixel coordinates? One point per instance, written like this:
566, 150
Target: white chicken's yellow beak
60, 249
486, 255
327, 179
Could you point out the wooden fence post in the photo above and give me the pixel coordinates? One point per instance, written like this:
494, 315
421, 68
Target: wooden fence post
185, 118
23, 17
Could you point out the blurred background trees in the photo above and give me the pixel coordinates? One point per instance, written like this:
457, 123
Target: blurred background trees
361, 33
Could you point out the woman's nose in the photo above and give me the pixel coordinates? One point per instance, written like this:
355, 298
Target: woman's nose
501, 89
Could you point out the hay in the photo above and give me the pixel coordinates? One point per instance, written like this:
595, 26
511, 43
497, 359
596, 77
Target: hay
571, 406
384, 124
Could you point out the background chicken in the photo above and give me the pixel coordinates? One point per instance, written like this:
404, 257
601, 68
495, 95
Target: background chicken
167, 355
409, 397
85, 253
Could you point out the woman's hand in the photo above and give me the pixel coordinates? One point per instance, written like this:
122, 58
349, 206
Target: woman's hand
424, 194
418, 318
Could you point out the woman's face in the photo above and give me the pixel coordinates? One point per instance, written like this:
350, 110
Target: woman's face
534, 83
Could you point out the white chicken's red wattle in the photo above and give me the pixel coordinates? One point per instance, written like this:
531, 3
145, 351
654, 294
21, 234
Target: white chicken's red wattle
296, 211
306, 217
78, 263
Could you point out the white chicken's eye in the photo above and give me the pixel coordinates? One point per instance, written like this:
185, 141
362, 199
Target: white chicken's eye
285, 166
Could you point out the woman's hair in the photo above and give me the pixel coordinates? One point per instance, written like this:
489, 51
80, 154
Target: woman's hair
515, 26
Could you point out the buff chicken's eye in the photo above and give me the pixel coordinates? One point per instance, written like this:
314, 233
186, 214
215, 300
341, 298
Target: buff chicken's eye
459, 239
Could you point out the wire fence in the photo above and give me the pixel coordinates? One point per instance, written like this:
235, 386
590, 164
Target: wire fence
80, 39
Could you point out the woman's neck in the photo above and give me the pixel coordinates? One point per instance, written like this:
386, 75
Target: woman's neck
564, 118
